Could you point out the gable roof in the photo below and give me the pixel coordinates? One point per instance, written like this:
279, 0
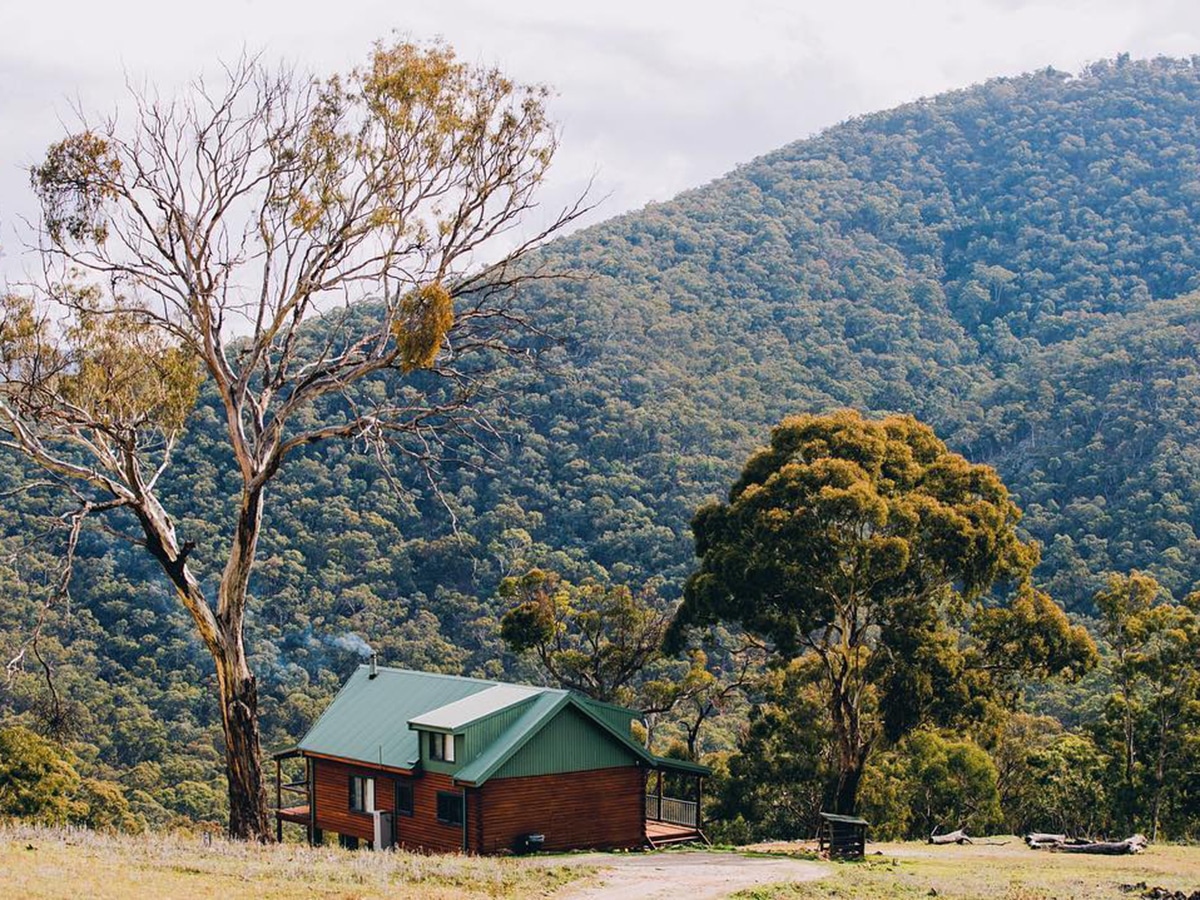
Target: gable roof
376, 720
368, 719
541, 711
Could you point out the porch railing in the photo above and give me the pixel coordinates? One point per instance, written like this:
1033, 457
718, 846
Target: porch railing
672, 810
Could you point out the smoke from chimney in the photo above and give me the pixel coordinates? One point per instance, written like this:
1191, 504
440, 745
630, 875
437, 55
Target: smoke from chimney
352, 643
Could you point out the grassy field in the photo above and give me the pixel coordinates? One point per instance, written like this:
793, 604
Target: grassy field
42, 864
39, 864
975, 872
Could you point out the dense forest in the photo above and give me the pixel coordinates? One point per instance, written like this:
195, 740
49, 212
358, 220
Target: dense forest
1012, 263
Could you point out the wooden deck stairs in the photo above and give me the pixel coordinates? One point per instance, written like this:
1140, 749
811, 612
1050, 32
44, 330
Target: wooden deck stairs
664, 834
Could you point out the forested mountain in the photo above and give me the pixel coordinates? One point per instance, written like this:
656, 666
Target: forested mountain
1010, 263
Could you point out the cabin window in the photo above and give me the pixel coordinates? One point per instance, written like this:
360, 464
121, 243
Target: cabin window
404, 797
449, 808
441, 747
362, 794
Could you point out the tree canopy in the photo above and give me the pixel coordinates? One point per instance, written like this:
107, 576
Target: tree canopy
868, 545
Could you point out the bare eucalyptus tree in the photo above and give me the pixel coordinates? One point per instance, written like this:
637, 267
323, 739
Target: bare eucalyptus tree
198, 239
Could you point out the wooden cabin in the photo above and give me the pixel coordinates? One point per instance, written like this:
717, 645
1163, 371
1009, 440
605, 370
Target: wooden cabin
448, 764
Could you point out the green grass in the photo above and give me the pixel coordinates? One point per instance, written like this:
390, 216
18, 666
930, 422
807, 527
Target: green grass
982, 872
53, 864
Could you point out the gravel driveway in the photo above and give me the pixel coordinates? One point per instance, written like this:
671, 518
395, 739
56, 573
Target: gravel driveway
689, 875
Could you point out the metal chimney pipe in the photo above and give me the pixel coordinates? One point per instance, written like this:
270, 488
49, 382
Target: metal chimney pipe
374, 661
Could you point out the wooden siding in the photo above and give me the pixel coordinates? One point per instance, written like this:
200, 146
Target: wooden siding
421, 830
603, 808
597, 809
332, 795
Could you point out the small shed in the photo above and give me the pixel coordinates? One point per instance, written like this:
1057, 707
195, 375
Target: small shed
844, 837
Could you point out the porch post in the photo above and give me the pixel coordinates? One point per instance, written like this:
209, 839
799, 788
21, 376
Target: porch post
658, 814
310, 776
278, 799
699, 798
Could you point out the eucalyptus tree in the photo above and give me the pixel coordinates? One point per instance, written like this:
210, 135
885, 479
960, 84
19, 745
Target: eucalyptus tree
199, 238
601, 640
1154, 664
866, 547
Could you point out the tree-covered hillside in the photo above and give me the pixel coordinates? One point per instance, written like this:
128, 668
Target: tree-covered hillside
1001, 261
990, 260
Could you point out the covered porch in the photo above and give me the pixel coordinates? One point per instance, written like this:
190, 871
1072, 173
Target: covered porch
300, 783
674, 793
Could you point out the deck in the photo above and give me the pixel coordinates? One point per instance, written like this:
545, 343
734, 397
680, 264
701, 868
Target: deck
659, 834
671, 820
298, 814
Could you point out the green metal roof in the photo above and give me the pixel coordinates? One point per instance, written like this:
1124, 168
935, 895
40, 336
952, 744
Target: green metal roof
844, 820
671, 764
368, 719
373, 720
539, 714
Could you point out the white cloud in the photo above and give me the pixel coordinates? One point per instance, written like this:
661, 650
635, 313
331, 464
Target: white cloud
654, 96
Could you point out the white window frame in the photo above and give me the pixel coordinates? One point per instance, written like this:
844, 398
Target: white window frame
368, 794
441, 747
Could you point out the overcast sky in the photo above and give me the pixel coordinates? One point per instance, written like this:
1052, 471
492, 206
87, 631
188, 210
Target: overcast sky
653, 96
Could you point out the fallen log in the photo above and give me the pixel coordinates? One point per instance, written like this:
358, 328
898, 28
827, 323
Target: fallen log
1037, 839
1159, 893
1135, 844
950, 837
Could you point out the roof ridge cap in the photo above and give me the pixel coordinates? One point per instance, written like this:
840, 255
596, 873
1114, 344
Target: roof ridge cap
492, 682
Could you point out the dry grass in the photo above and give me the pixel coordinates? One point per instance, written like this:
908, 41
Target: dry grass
40, 864
979, 872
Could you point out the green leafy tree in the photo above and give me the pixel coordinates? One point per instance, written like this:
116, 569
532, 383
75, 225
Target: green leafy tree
36, 781
606, 642
1170, 665
710, 691
1021, 735
105, 807
775, 784
932, 782
868, 545
41, 783
1070, 789
593, 638
1122, 605
1154, 661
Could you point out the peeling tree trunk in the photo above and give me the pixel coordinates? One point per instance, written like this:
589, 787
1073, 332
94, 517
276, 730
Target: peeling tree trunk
222, 634
248, 817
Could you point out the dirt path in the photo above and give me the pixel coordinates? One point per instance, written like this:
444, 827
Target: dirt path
691, 875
